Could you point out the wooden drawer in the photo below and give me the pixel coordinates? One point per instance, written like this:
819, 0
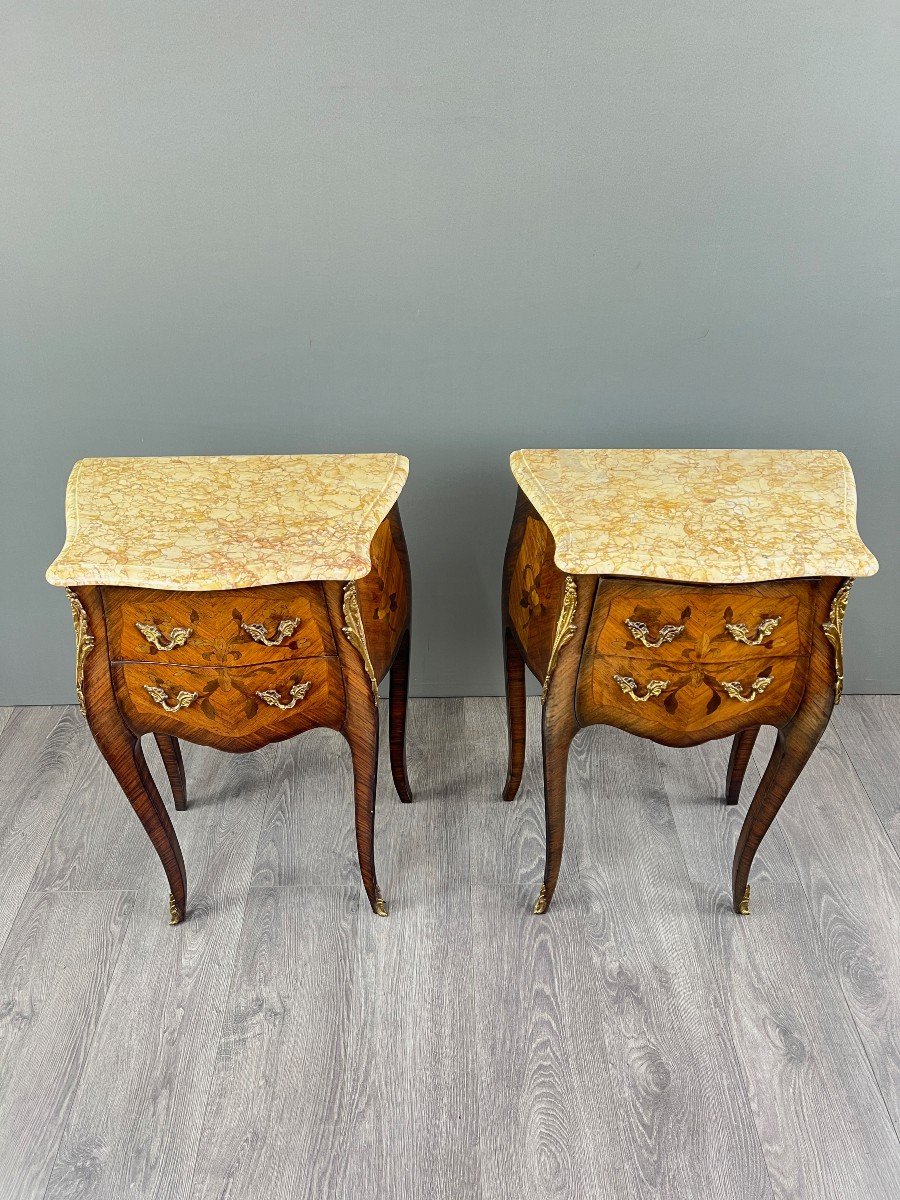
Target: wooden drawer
692, 623
230, 707
683, 703
213, 625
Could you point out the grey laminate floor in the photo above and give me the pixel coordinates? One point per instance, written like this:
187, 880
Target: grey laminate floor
639, 1040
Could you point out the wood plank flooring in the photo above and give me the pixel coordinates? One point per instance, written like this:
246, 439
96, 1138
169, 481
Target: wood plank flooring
637, 1041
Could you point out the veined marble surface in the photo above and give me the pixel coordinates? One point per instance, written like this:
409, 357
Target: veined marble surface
700, 516
221, 522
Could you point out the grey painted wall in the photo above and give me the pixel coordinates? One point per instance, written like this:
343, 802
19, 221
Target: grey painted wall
450, 230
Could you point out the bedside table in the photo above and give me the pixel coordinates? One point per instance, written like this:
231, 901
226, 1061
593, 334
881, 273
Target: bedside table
680, 595
233, 602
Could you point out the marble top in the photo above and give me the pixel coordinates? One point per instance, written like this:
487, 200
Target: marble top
700, 516
220, 522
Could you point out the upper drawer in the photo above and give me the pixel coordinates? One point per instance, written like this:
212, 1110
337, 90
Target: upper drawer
712, 624
238, 628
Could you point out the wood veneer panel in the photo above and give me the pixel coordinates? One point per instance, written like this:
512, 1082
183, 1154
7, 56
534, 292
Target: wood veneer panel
695, 706
385, 595
215, 620
705, 613
228, 712
535, 593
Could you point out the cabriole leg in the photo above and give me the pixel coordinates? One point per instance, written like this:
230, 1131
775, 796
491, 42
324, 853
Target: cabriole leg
515, 714
556, 743
360, 726
796, 740
120, 748
793, 747
170, 753
364, 751
397, 718
741, 749
560, 721
126, 759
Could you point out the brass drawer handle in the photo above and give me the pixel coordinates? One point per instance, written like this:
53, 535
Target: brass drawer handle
284, 630
271, 696
668, 633
159, 696
741, 633
735, 689
177, 636
630, 688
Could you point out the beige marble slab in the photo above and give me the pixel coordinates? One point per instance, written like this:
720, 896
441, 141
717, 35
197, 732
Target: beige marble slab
221, 522
701, 516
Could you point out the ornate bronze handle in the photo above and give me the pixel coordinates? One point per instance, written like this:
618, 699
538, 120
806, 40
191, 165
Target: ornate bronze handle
177, 636
735, 689
271, 697
629, 687
741, 633
159, 696
284, 630
668, 633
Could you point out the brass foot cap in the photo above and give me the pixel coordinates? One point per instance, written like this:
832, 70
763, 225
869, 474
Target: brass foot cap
174, 911
380, 909
744, 906
540, 905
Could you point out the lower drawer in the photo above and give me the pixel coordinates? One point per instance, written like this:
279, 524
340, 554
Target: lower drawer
237, 708
684, 703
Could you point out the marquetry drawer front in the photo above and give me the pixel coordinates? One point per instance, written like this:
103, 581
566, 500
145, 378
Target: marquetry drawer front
686, 702
238, 628
218, 705
713, 624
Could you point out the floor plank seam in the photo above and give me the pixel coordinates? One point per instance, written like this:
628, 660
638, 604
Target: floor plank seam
90, 1042
190, 1191
866, 791
816, 1070
825, 959
265, 810
715, 974
76, 775
473, 1000
216, 1034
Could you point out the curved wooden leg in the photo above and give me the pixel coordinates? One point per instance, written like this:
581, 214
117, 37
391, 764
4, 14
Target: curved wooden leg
798, 738
793, 746
741, 749
122, 750
170, 753
364, 751
515, 714
560, 724
360, 728
126, 759
397, 718
556, 743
